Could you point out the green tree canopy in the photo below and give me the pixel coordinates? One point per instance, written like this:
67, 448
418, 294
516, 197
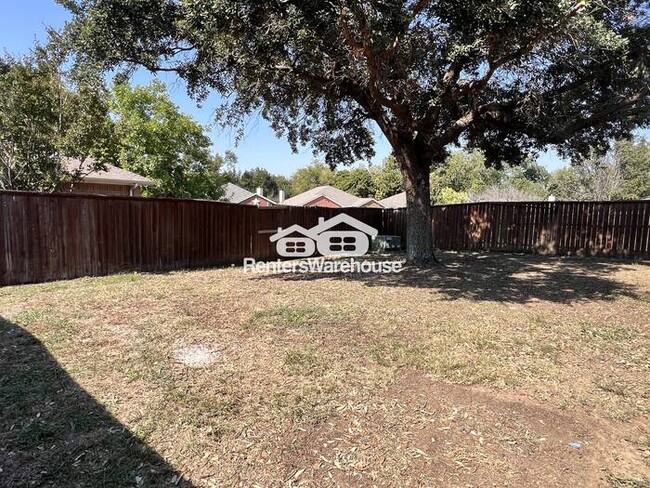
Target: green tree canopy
529, 178
45, 116
156, 140
316, 174
565, 184
358, 181
507, 77
634, 161
261, 178
387, 178
621, 174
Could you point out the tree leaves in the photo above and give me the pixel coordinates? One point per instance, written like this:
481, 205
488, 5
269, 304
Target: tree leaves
46, 115
156, 140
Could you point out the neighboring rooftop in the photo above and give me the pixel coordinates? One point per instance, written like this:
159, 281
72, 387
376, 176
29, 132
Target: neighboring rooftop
339, 197
236, 194
396, 201
111, 176
361, 202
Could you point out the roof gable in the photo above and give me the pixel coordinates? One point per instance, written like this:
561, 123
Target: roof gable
111, 176
335, 195
235, 194
396, 201
365, 201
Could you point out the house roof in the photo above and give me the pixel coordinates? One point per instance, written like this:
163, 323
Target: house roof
111, 176
365, 201
340, 197
396, 201
236, 194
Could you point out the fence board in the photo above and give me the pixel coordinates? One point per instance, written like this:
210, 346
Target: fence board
58, 236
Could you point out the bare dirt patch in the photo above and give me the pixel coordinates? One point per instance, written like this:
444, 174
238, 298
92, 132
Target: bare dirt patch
196, 356
436, 434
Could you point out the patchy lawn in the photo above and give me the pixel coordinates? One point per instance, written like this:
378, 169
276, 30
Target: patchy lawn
480, 373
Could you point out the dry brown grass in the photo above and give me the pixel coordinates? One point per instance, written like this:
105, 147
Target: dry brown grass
475, 374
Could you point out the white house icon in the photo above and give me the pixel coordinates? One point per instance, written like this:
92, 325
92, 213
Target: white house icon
328, 242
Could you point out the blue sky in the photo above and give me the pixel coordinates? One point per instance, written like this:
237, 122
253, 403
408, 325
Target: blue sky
24, 21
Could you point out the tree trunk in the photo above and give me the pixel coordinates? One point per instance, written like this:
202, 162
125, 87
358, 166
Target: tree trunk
419, 237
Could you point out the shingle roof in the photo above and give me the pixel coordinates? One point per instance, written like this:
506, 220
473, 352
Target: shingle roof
364, 201
112, 176
235, 194
396, 201
340, 197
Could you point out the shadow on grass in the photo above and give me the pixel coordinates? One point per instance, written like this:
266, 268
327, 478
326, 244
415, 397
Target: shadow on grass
54, 434
502, 277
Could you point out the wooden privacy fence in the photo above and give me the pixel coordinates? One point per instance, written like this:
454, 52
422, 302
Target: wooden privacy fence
56, 236
620, 229
566, 228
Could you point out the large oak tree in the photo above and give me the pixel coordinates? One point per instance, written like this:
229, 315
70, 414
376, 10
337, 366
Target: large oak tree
505, 76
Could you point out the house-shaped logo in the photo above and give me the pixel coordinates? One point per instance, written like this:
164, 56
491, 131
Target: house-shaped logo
298, 242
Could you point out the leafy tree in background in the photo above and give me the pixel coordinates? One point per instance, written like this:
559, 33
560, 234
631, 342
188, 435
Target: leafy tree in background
357, 181
634, 160
387, 178
316, 174
283, 183
463, 173
601, 176
592, 178
506, 77
466, 177
227, 166
262, 178
504, 193
46, 115
565, 184
258, 177
621, 174
156, 140
449, 196
530, 178
377, 181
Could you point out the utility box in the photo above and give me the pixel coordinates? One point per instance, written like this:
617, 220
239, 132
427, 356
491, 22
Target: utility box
386, 243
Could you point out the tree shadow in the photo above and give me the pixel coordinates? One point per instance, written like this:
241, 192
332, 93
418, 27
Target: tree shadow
515, 278
54, 434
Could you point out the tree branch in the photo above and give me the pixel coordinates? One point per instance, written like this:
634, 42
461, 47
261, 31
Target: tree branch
450, 78
635, 104
366, 49
494, 65
416, 10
